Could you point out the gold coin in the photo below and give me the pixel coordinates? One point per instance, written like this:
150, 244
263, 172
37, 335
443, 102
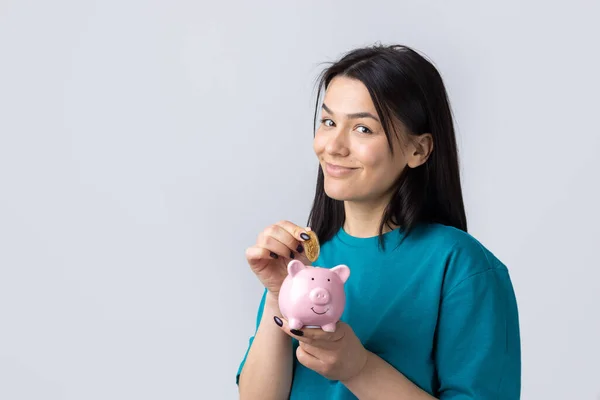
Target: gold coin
312, 247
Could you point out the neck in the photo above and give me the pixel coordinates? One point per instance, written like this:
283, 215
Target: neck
363, 219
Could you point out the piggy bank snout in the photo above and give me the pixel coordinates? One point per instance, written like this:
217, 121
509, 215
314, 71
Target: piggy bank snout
319, 296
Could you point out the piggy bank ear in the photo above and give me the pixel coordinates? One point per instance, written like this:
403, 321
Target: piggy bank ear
294, 267
342, 271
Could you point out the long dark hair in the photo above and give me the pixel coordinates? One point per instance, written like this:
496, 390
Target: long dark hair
405, 87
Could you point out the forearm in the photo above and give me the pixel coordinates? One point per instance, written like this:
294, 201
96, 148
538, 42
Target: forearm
267, 372
379, 380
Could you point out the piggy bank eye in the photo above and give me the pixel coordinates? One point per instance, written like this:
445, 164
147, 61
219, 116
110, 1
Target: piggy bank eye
328, 280
312, 279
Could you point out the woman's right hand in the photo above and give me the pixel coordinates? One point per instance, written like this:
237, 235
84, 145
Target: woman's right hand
275, 247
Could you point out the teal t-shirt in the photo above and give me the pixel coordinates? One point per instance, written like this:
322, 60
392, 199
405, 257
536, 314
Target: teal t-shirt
436, 305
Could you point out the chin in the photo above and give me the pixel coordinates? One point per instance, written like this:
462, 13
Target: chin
340, 193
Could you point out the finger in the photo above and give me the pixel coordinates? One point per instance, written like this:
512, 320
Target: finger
300, 236
318, 334
307, 359
292, 236
281, 235
294, 230
270, 241
295, 333
312, 336
320, 345
310, 349
285, 233
257, 253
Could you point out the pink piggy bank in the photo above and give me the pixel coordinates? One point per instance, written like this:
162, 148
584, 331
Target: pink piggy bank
313, 296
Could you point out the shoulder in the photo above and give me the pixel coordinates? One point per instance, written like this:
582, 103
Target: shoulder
447, 239
463, 256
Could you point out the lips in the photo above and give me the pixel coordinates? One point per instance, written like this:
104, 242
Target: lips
337, 170
338, 166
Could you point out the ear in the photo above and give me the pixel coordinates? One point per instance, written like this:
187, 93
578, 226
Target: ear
420, 150
294, 267
342, 271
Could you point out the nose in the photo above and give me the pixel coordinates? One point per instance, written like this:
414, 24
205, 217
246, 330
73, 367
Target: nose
336, 144
319, 296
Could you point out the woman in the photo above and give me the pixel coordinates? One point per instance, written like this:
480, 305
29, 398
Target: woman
430, 312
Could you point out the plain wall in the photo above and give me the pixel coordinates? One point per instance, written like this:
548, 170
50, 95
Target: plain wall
144, 145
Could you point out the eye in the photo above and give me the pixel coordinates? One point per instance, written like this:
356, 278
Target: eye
328, 280
326, 121
366, 130
312, 279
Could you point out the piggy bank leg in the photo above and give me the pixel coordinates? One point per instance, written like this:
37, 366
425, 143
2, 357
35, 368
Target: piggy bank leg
295, 323
329, 327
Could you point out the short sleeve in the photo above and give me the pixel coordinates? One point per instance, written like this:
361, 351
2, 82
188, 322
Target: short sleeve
477, 347
258, 318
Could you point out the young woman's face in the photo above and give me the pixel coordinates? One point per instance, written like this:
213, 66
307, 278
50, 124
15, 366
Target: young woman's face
352, 147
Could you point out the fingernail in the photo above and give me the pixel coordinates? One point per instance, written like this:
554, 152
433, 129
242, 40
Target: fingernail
299, 249
278, 321
274, 255
304, 236
297, 332
291, 254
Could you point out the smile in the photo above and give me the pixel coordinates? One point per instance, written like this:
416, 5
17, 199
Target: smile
337, 171
313, 310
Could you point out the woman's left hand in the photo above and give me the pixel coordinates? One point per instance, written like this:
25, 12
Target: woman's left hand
336, 355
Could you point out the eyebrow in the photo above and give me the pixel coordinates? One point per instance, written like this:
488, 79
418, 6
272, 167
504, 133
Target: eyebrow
353, 115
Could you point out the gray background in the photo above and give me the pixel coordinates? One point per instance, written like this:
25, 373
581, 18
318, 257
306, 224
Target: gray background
144, 145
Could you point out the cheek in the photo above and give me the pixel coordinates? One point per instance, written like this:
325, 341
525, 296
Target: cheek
373, 156
380, 167
319, 143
